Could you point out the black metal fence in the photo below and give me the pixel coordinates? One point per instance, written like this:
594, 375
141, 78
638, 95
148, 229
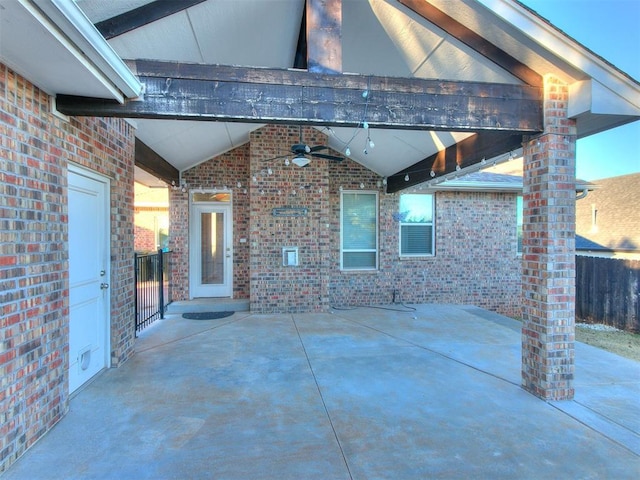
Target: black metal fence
152, 273
608, 291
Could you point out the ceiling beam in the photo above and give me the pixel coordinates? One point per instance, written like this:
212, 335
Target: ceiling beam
300, 58
259, 95
470, 151
149, 161
141, 16
324, 36
475, 41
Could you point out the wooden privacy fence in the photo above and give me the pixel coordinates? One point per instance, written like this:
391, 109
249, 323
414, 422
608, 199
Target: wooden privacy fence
608, 291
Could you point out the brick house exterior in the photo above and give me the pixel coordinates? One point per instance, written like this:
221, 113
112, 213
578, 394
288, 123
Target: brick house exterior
35, 150
475, 261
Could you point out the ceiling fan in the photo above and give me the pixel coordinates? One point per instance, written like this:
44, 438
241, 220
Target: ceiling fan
301, 153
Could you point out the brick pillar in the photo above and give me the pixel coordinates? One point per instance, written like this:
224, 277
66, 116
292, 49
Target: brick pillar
548, 273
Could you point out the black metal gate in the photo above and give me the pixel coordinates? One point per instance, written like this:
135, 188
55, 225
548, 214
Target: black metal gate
152, 287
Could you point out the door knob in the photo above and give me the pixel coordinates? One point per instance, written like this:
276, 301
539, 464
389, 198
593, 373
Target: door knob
104, 286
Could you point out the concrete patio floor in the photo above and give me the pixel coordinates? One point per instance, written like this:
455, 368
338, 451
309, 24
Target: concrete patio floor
354, 394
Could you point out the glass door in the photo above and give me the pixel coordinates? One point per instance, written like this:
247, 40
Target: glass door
211, 256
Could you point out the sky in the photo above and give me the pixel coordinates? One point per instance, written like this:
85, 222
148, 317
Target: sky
611, 29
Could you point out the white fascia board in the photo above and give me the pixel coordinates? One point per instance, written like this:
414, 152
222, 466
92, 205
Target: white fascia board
590, 96
463, 186
75, 25
566, 48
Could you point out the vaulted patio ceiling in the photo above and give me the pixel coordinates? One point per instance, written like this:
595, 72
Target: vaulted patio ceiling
487, 55
411, 118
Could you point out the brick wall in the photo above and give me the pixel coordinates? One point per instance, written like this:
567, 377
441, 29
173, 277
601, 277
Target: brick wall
274, 287
35, 148
145, 239
148, 222
475, 262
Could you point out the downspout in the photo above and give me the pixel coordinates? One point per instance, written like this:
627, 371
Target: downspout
582, 194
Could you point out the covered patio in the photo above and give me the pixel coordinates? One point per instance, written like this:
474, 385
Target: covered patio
363, 393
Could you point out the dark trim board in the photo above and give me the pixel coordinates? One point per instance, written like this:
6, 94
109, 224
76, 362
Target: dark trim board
467, 152
475, 41
148, 160
141, 16
258, 95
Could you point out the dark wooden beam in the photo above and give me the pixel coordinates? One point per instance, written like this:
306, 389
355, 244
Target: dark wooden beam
300, 59
465, 153
149, 161
142, 16
324, 36
253, 95
473, 40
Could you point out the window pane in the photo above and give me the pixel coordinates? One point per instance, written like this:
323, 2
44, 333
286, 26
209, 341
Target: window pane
358, 221
416, 224
416, 240
359, 228
359, 260
211, 197
416, 208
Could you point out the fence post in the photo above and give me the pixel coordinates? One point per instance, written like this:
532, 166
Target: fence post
135, 294
161, 281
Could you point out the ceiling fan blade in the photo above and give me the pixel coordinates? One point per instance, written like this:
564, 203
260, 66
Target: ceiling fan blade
275, 158
318, 148
328, 157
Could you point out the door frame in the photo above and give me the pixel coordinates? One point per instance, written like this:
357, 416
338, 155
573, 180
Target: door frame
195, 208
79, 170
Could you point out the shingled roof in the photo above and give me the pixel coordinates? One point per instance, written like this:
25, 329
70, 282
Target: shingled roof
608, 218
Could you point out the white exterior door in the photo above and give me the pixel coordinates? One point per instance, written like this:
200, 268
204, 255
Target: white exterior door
210, 247
88, 275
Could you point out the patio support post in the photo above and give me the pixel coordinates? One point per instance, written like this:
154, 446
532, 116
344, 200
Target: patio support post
548, 270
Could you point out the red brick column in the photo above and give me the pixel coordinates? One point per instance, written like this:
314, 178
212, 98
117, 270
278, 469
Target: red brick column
548, 270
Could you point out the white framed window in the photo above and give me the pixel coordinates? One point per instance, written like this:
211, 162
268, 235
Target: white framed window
417, 231
519, 211
359, 230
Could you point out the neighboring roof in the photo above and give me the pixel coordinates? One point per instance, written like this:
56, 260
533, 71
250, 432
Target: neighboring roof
502, 177
608, 218
482, 182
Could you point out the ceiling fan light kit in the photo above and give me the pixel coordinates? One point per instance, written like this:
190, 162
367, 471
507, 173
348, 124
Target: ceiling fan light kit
301, 161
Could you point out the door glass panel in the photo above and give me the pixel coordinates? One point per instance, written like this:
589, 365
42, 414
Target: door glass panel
212, 248
222, 197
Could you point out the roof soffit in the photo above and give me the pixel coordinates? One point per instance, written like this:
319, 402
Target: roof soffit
54, 45
550, 50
